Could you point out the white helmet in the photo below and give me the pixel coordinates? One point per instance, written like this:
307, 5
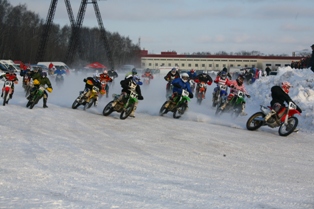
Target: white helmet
185, 77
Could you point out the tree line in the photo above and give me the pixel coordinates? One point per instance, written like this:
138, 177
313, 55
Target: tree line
20, 34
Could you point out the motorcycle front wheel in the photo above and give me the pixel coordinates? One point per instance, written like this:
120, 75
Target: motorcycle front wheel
5, 95
179, 111
75, 104
108, 109
89, 104
163, 110
126, 112
255, 121
286, 129
36, 100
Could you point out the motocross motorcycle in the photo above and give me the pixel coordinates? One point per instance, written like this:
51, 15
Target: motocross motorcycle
146, 79
201, 91
6, 91
59, 79
124, 107
34, 99
234, 106
86, 98
178, 108
285, 119
220, 94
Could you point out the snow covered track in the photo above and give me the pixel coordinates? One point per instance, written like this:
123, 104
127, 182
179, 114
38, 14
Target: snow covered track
64, 158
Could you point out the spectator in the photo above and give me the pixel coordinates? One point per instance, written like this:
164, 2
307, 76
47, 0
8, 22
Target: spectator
311, 64
267, 70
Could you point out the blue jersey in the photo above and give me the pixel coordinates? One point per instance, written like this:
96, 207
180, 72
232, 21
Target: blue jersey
183, 85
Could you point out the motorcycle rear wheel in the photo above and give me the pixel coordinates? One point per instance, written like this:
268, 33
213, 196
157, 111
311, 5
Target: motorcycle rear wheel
108, 109
126, 112
253, 124
285, 130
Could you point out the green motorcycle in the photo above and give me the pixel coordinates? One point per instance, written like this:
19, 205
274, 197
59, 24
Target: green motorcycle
178, 108
33, 99
124, 107
234, 106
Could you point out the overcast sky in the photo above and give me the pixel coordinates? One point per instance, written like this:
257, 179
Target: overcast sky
268, 26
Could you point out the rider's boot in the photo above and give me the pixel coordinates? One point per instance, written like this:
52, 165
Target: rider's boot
45, 103
96, 102
243, 113
224, 105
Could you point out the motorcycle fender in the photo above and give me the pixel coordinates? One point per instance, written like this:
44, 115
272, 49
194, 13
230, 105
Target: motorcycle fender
7, 88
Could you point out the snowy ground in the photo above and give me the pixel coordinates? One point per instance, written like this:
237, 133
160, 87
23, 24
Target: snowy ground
64, 158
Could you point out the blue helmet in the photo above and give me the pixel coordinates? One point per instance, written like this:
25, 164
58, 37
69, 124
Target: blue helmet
43, 74
136, 80
223, 75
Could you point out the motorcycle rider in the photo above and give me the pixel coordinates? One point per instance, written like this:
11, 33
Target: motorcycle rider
280, 94
178, 85
220, 80
59, 72
226, 71
192, 74
148, 74
105, 78
171, 75
202, 77
128, 84
10, 76
41, 80
112, 73
89, 83
235, 86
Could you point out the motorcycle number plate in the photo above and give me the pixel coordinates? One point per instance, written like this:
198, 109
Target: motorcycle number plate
133, 94
185, 92
8, 83
223, 87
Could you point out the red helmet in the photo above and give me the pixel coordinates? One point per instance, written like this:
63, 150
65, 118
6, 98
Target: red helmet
286, 86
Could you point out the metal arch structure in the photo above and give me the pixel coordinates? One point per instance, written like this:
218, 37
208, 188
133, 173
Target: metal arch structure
45, 31
76, 27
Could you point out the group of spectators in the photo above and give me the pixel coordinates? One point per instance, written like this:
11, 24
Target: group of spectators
305, 62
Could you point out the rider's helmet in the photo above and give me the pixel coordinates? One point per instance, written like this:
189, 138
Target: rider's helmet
11, 71
173, 71
40, 69
96, 76
240, 80
185, 77
192, 71
136, 79
134, 71
223, 75
43, 74
286, 86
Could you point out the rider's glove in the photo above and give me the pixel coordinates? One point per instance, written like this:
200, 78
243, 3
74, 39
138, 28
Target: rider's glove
191, 95
248, 96
49, 89
140, 97
85, 80
209, 83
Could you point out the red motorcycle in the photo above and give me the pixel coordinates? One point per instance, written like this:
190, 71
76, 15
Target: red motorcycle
284, 119
6, 91
200, 92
